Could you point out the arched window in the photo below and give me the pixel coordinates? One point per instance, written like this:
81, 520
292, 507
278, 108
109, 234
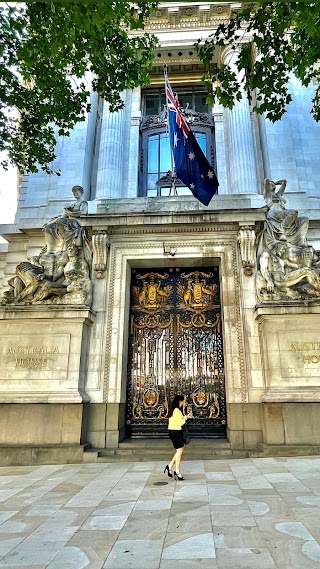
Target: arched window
155, 164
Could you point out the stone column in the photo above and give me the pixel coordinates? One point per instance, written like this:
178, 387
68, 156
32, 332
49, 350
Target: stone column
134, 143
220, 144
110, 163
242, 167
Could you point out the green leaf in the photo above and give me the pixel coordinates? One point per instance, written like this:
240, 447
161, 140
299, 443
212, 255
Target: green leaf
275, 55
53, 45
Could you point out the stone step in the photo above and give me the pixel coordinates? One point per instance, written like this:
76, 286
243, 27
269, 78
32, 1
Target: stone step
25, 455
164, 457
151, 444
265, 450
163, 453
146, 450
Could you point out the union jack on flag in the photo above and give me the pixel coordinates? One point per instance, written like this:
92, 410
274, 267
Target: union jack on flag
191, 165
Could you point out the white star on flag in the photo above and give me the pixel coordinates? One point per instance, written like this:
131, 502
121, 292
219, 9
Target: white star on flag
192, 186
210, 174
175, 139
191, 155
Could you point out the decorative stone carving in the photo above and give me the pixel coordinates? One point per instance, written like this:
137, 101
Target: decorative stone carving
169, 181
176, 17
281, 223
100, 243
288, 265
221, 9
192, 117
76, 280
60, 274
189, 12
246, 240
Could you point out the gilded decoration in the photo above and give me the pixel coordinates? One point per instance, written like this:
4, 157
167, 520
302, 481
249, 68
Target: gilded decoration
197, 295
175, 346
151, 296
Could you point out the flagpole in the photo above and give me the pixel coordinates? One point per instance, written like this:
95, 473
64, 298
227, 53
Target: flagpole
173, 168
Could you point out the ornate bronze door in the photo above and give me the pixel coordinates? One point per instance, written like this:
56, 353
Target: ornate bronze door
175, 347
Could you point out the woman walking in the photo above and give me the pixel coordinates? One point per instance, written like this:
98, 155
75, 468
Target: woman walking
176, 421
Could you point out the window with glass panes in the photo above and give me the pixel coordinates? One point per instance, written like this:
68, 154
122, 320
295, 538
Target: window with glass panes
153, 101
156, 154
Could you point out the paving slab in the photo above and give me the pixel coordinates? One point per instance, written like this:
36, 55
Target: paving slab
260, 513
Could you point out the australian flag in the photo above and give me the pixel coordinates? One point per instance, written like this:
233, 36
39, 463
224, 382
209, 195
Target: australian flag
191, 165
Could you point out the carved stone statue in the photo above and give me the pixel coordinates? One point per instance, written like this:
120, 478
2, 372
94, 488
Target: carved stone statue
60, 274
62, 230
285, 272
77, 279
280, 221
289, 266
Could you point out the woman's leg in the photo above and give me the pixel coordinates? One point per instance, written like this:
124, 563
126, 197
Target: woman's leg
173, 461
179, 454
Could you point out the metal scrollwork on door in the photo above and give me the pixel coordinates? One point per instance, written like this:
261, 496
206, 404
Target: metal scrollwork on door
175, 346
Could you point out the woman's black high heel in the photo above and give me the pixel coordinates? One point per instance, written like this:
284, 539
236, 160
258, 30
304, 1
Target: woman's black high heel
178, 476
167, 469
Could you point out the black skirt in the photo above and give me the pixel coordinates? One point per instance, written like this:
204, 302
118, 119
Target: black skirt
176, 438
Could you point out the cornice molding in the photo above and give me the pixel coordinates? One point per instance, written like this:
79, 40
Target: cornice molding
183, 16
125, 230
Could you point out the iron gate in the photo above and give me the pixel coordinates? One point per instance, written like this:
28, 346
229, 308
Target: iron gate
175, 347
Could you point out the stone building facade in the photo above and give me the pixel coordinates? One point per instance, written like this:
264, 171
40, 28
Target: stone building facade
116, 301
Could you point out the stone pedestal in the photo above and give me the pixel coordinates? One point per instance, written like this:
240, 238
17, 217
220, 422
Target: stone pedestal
44, 353
290, 348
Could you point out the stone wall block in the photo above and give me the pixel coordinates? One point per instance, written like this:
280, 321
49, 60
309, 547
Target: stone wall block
235, 439
252, 420
97, 417
235, 416
273, 427
251, 439
40, 424
71, 424
302, 423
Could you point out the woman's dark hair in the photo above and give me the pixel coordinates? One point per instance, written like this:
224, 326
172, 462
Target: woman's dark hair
175, 404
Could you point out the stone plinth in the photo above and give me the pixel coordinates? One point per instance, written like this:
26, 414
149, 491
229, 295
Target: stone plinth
40, 424
290, 349
44, 353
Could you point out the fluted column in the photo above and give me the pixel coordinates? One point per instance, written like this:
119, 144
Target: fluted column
110, 162
242, 167
220, 143
135, 120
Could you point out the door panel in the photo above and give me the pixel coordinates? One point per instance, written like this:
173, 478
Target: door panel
175, 347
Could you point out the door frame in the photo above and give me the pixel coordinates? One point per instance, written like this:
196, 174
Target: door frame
193, 251
172, 281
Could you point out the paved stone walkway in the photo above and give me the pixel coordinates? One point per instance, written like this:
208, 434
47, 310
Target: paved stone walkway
259, 513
